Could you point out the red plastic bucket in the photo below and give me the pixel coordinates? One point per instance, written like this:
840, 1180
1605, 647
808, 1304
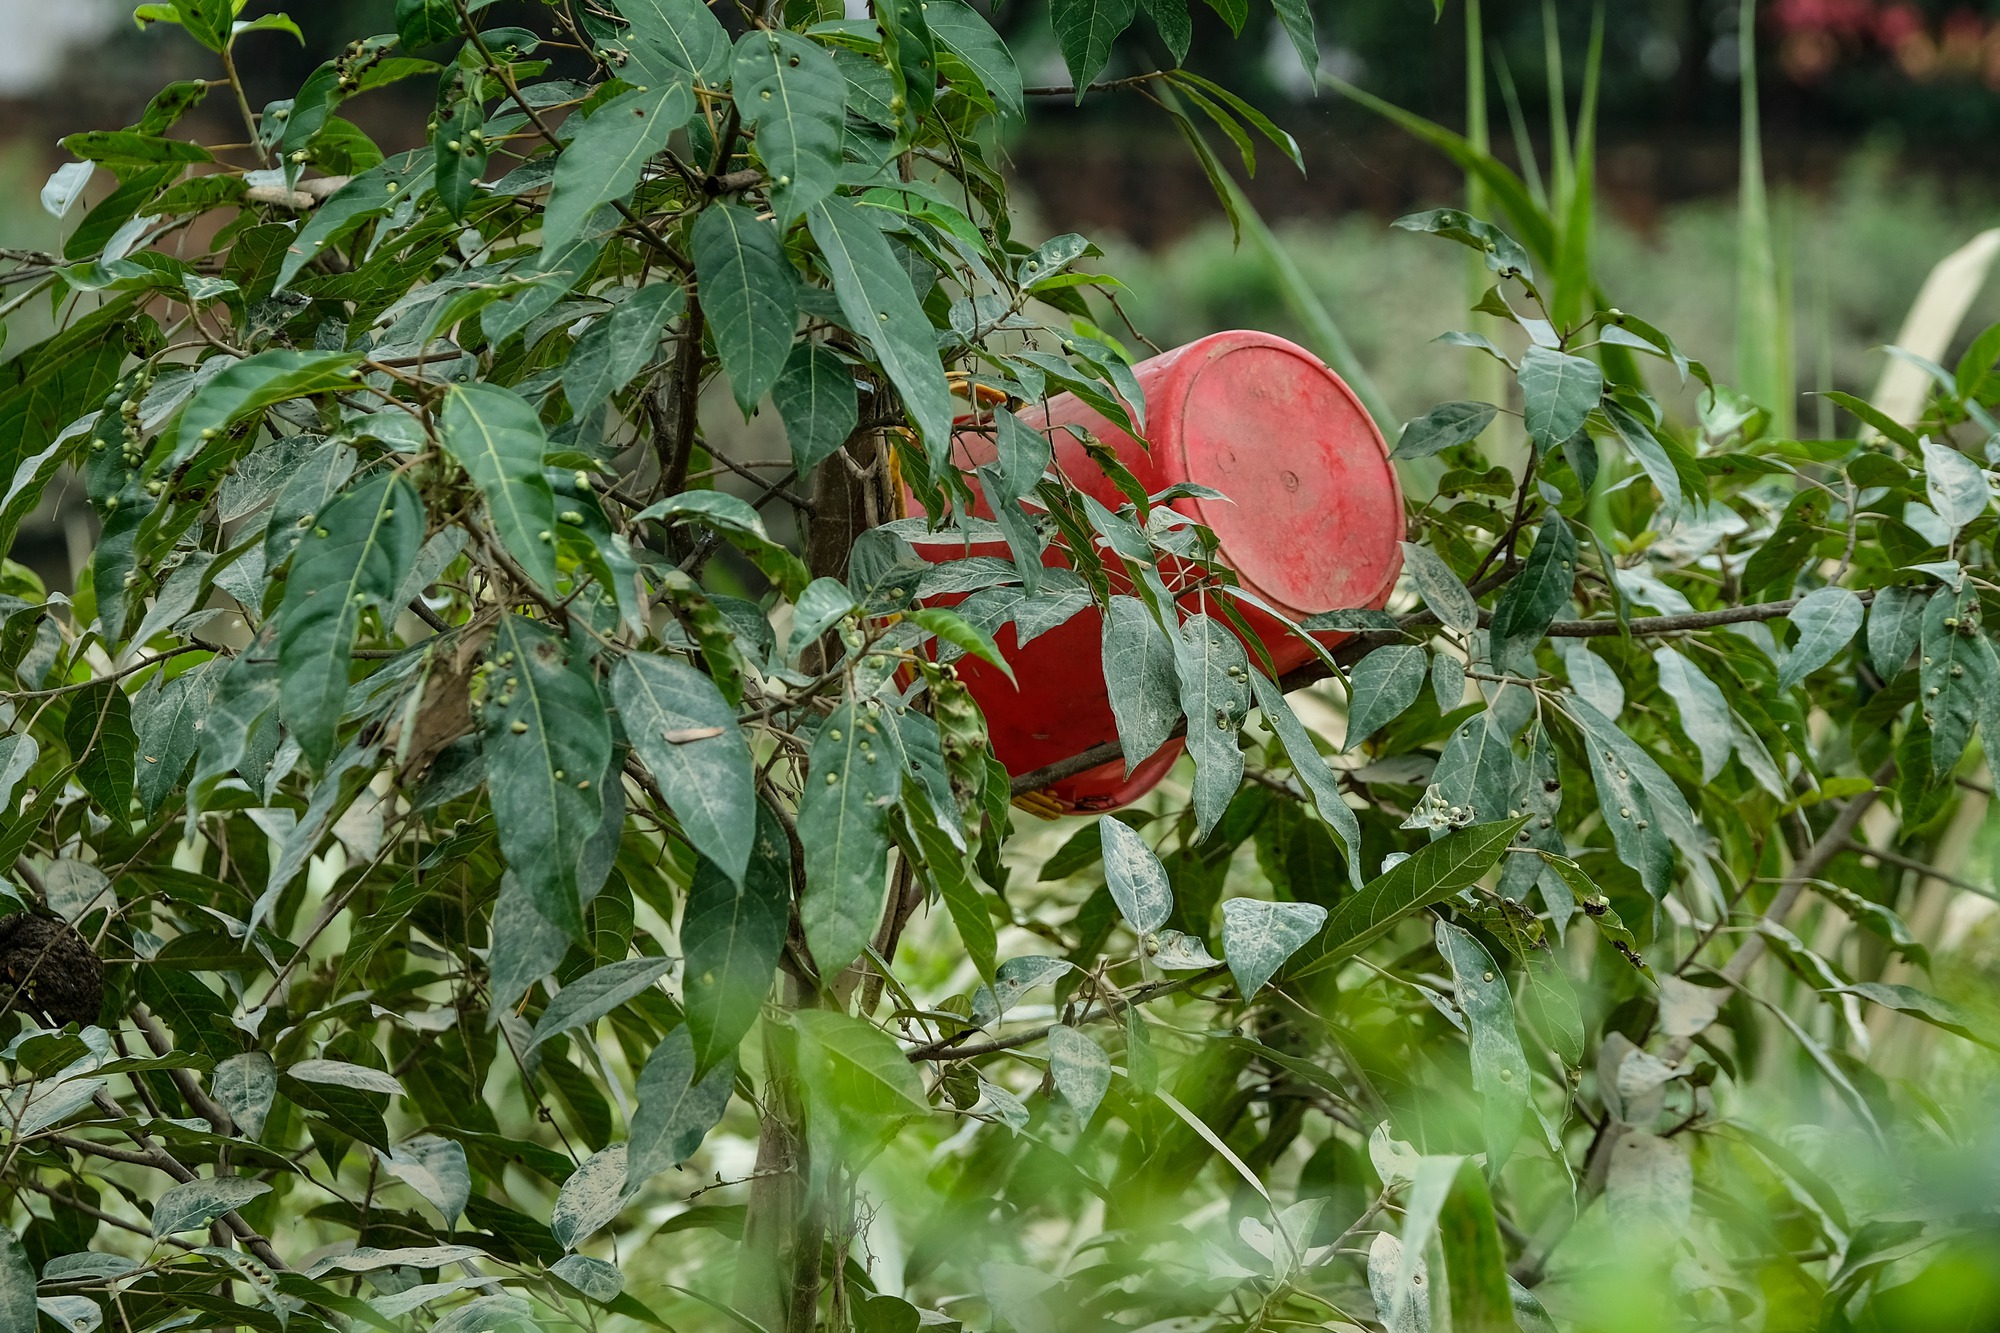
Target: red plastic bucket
1312, 523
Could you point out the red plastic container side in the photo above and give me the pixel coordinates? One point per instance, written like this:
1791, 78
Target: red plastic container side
1312, 523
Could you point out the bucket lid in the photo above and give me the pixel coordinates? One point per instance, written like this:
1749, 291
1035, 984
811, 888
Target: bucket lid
1314, 514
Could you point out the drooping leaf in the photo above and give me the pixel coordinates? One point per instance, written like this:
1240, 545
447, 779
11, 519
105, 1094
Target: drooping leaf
1085, 30
1139, 673
685, 733
1080, 1069
497, 437
790, 91
435, 1168
1958, 674
1312, 769
1214, 673
732, 935
815, 399
1475, 772
1895, 621
678, 1105
1958, 489
547, 745
1137, 880
1704, 711
851, 780
960, 30
352, 560
879, 303
1499, 1067
246, 1085
252, 385
1536, 595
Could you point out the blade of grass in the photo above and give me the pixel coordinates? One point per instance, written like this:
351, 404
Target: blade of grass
1517, 121
1940, 307
1484, 382
1763, 350
1559, 143
1573, 280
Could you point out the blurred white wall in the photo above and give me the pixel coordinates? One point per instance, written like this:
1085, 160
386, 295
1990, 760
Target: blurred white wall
39, 31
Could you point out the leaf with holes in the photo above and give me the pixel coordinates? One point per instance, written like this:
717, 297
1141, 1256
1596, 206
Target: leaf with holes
792, 94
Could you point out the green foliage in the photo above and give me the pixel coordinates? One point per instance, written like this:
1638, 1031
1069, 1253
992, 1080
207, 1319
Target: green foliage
471, 870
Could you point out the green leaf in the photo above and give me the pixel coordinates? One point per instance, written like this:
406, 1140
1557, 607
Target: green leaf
1474, 1259
353, 559
1895, 621
879, 303
548, 746
1704, 711
1431, 874
436, 1169
1957, 487
1502, 253
589, 1201
168, 718
1085, 30
1214, 673
851, 781
1443, 591
948, 627
1551, 1004
732, 937
815, 399
1646, 813
17, 1286
1174, 23
98, 732
1475, 771
1135, 877
1827, 620
1382, 685
961, 30
1499, 1067
1139, 673
1538, 593
1558, 392
1921, 1005
1443, 427
498, 439
196, 1203
425, 22
1312, 769
602, 164
246, 1085
685, 733
459, 148
749, 292
613, 351
590, 997
129, 146
790, 92
1958, 676
857, 1070
1258, 936
368, 195
1651, 450
1079, 1069
678, 1105
685, 34
250, 386
1297, 18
